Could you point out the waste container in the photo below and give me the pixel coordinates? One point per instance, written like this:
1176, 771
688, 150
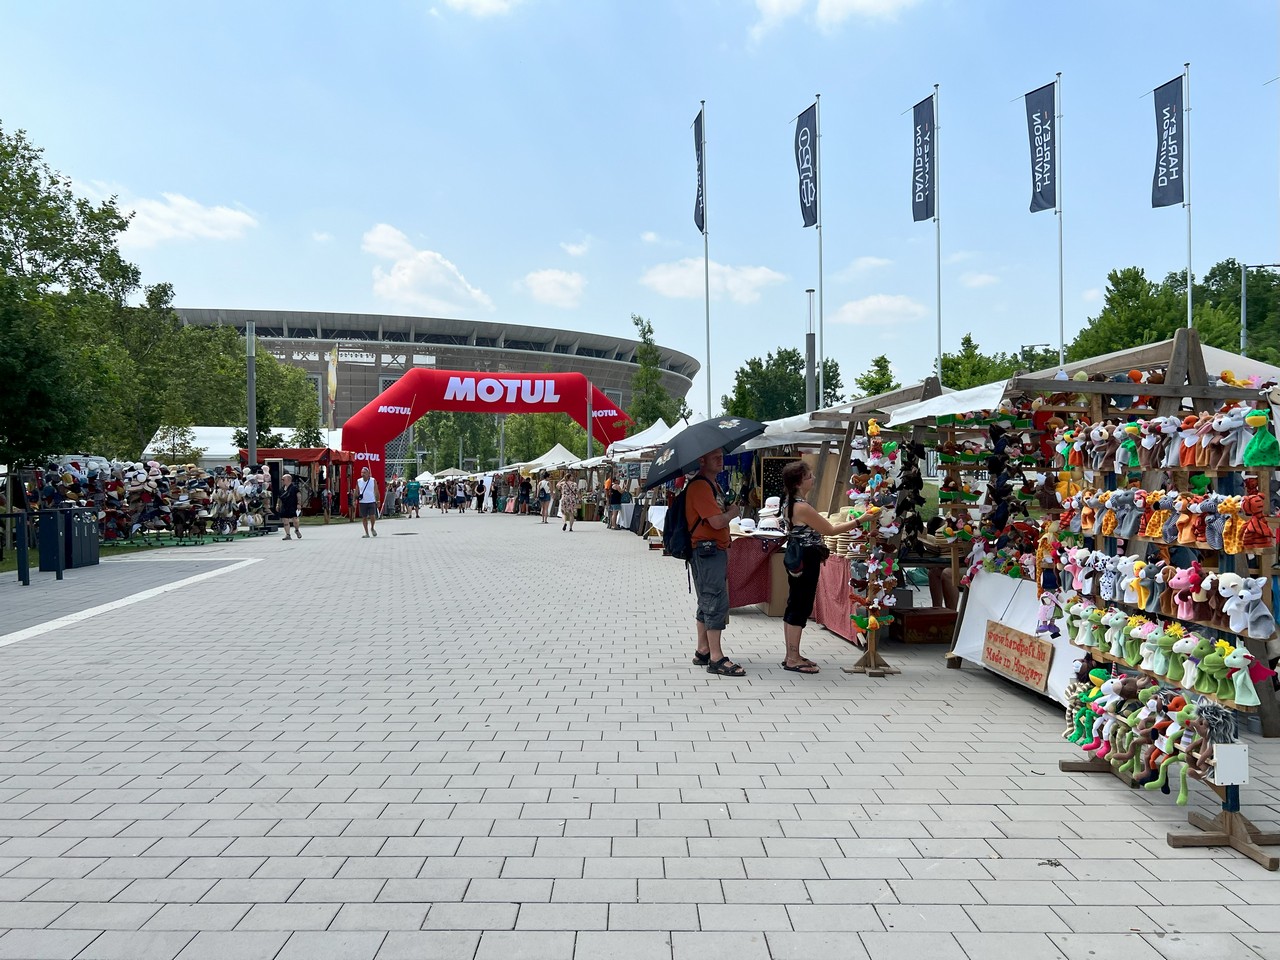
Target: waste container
49, 540
79, 540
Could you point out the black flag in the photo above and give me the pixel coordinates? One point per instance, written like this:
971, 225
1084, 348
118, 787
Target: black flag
700, 202
1166, 182
923, 174
1043, 136
807, 163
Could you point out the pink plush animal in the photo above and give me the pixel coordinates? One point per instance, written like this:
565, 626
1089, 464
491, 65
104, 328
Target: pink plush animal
1185, 583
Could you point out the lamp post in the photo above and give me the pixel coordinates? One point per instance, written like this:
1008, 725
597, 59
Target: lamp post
1244, 300
810, 403
251, 391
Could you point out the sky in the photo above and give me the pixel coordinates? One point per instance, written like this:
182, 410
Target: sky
531, 161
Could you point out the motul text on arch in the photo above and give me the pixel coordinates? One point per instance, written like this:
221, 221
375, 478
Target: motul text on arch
493, 390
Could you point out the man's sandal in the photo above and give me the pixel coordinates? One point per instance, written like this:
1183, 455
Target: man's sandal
725, 667
702, 659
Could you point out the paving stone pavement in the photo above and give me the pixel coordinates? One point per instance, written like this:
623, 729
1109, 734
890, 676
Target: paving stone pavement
475, 738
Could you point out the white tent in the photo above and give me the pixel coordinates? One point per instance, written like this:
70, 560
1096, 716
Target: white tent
557, 456
220, 449
654, 435
801, 427
425, 477
1142, 357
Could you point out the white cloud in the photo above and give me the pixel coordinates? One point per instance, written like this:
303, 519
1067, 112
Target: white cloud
878, 309
419, 278
684, 279
482, 8
959, 256
773, 13
832, 13
320, 236
828, 14
577, 249
1092, 295
974, 280
863, 265
176, 217
650, 237
559, 288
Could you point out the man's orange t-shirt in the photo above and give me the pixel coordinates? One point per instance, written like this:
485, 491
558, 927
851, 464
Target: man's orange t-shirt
701, 500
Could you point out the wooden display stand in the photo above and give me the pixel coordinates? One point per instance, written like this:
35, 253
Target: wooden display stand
1230, 829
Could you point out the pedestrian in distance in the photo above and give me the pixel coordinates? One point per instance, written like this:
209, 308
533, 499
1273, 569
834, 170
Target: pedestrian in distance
615, 503
544, 496
412, 496
808, 526
287, 506
568, 489
526, 493
367, 492
708, 519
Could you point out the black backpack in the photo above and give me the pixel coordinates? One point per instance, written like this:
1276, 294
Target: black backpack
677, 537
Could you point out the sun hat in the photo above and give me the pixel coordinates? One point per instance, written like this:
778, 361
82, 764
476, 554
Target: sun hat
769, 527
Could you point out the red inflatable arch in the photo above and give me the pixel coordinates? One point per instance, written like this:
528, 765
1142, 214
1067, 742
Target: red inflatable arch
420, 390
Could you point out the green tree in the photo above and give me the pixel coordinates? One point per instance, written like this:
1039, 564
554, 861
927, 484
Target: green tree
773, 388
40, 397
877, 380
970, 367
650, 400
307, 431
49, 238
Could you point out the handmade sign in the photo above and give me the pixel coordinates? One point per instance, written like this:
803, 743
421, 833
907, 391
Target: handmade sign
1017, 655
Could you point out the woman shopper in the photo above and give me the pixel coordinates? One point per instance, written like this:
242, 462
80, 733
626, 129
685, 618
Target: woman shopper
809, 527
544, 496
568, 501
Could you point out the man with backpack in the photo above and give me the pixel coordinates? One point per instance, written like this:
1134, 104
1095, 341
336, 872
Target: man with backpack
708, 522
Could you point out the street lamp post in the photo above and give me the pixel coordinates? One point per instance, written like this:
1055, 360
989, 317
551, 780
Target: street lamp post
810, 402
1244, 300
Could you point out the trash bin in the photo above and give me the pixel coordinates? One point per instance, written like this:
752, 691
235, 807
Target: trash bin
80, 539
49, 541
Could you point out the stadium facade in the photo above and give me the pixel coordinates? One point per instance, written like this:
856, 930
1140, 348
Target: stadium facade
375, 350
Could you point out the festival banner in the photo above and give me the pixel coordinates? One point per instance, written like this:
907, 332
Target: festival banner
1043, 137
333, 382
699, 203
923, 179
1166, 182
807, 163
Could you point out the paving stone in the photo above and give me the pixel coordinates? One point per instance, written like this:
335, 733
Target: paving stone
815, 946
332, 945
290, 916
525, 945
719, 946
234, 945
622, 946
44, 944
563, 916
429, 945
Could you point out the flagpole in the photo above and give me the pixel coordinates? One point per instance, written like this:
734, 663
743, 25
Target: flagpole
822, 356
937, 219
1057, 172
1186, 173
706, 255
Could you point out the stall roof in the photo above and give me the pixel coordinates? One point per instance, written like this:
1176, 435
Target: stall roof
654, 435
219, 447
555, 457
805, 427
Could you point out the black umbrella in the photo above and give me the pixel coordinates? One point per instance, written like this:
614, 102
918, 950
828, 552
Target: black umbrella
681, 453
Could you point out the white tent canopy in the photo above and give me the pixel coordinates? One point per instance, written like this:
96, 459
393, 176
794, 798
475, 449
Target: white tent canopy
220, 449
425, 477
984, 397
557, 456
654, 435
800, 428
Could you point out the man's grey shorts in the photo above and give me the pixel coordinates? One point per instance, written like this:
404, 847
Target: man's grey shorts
711, 582
369, 510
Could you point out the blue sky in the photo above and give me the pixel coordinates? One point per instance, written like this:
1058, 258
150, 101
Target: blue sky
531, 161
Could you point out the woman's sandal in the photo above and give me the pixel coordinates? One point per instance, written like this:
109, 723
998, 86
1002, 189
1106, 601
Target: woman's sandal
807, 667
702, 659
725, 667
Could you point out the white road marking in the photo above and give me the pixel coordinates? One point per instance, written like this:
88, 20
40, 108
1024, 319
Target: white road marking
49, 625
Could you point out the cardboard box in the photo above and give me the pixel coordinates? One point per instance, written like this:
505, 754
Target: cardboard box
923, 625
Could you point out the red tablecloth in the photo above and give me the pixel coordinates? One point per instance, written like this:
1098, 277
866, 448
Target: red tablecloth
831, 606
749, 569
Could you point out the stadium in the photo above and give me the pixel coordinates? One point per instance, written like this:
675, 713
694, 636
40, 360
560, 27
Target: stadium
374, 351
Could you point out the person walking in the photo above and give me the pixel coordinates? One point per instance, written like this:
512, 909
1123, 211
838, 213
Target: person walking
615, 503
808, 526
412, 497
526, 491
367, 491
568, 489
708, 521
287, 506
544, 496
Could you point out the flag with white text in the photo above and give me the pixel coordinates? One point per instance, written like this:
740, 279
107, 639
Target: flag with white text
1166, 181
700, 202
1043, 136
807, 163
924, 186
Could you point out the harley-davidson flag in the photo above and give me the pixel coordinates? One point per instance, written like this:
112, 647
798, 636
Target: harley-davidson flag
700, 202
807, 163
923, 172
1042, 134
1166, 182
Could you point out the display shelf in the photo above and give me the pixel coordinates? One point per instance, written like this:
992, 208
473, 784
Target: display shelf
1103, 657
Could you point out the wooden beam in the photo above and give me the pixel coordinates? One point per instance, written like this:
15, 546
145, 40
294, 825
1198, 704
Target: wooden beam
1177, 392
842, 468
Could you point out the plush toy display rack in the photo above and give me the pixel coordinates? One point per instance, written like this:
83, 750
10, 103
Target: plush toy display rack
1165, 684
